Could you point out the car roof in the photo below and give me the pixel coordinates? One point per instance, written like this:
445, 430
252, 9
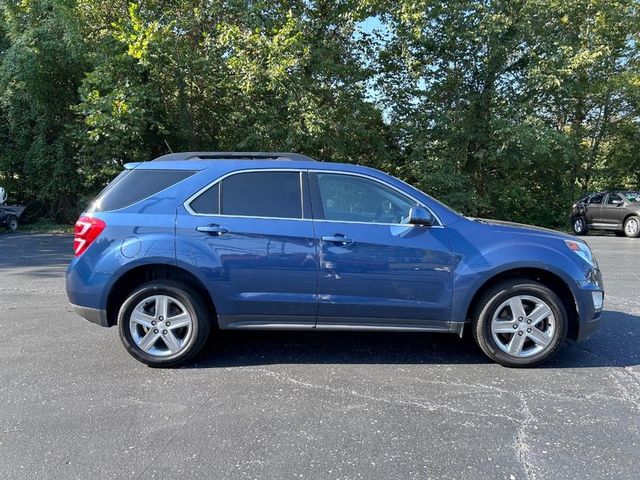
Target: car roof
231, 161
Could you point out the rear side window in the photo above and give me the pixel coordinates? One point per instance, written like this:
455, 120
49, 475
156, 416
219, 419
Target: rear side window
262, 194
131, 186
207, 203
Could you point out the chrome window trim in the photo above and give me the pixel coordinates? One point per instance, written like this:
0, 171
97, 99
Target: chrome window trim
187, 203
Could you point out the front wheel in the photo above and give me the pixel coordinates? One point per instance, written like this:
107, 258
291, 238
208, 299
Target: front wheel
580, 226
632, 227
520, 323
163, 323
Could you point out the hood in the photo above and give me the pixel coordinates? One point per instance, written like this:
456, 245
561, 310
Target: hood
512, 227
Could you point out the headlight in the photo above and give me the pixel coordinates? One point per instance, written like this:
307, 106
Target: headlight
583, 250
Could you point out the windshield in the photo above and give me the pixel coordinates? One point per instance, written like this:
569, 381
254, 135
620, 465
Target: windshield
632, 196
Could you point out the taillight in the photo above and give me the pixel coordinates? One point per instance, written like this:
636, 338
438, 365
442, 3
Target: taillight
87, 229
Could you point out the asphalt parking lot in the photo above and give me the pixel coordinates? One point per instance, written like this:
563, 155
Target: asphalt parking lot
74, 404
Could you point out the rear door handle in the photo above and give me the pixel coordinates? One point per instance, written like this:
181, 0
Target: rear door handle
338, 239
212, 229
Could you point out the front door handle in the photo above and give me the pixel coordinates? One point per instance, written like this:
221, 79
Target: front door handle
338, 239
212, 229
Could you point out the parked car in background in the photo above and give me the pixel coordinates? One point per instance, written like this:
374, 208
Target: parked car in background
617, 211
194, 242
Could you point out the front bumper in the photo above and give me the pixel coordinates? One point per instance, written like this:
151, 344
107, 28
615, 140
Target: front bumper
589, 304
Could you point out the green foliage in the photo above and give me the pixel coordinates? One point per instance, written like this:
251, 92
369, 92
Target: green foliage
501, 108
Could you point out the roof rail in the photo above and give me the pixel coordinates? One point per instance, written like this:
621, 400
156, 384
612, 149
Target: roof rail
234, 156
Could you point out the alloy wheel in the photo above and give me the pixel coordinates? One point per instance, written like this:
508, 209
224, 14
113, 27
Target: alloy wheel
631, 227
160, 325
578, 225
523, 325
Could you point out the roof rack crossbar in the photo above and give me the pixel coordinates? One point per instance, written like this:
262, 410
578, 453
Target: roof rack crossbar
234, 156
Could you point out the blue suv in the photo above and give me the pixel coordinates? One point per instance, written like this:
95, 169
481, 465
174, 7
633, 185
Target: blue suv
192, 242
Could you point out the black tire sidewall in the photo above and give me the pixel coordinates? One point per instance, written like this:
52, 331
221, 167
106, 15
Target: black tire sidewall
584, 226
494, 298
200, 327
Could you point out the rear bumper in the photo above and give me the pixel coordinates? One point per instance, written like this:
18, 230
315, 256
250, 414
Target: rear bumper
94, 315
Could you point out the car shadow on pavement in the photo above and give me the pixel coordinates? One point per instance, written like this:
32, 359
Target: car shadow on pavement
614, 344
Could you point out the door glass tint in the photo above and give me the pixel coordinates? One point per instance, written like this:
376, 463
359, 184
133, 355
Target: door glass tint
350, 198
262, 194
131, 186
596, 199
613, 198
207, 203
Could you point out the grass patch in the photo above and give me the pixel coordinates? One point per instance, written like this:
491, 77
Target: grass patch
43, 225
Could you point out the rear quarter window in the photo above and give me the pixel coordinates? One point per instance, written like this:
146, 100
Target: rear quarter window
131, 186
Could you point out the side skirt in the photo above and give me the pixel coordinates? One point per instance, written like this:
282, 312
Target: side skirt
270, 322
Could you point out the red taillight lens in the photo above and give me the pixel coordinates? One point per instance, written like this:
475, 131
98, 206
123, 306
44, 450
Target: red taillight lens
87, 230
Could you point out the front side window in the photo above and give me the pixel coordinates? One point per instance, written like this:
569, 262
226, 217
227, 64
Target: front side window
614, 197
596, 199
350, 198
262, 194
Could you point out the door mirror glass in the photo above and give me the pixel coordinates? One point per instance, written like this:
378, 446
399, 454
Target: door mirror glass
616, 201
420, 216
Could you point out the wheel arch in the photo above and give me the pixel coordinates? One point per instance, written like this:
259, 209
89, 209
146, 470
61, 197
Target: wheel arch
147, 272
544, 277
629, 215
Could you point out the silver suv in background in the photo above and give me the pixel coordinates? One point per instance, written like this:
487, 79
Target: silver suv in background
617, 211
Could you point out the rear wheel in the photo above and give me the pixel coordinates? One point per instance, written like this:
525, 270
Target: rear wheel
580, 226
12, 223
632, 227
520, 323
163, 323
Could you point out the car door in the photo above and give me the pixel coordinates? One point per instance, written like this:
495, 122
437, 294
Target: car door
594, 209
613, 210
375, 271
251, 237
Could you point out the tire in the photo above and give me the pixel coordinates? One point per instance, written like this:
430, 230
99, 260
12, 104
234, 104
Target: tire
161, 339
579, 225
12, 223
632, 226
495, 337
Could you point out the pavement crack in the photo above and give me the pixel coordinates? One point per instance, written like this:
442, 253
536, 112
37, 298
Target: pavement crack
521, 446
418, 403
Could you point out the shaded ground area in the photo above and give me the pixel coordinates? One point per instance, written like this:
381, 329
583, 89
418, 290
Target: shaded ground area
73, 404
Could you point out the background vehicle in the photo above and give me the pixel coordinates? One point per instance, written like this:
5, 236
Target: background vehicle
617, 211
9, 214
194, 241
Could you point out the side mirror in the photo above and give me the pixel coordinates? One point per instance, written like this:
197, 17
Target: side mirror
616, 201
420, 216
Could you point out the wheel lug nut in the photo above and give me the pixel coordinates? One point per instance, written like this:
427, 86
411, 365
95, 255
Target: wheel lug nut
168, 324
155, 330
153, 322
520, 333
515, 327
528, 330
164, 332
519, 319
528, 320
161, 318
